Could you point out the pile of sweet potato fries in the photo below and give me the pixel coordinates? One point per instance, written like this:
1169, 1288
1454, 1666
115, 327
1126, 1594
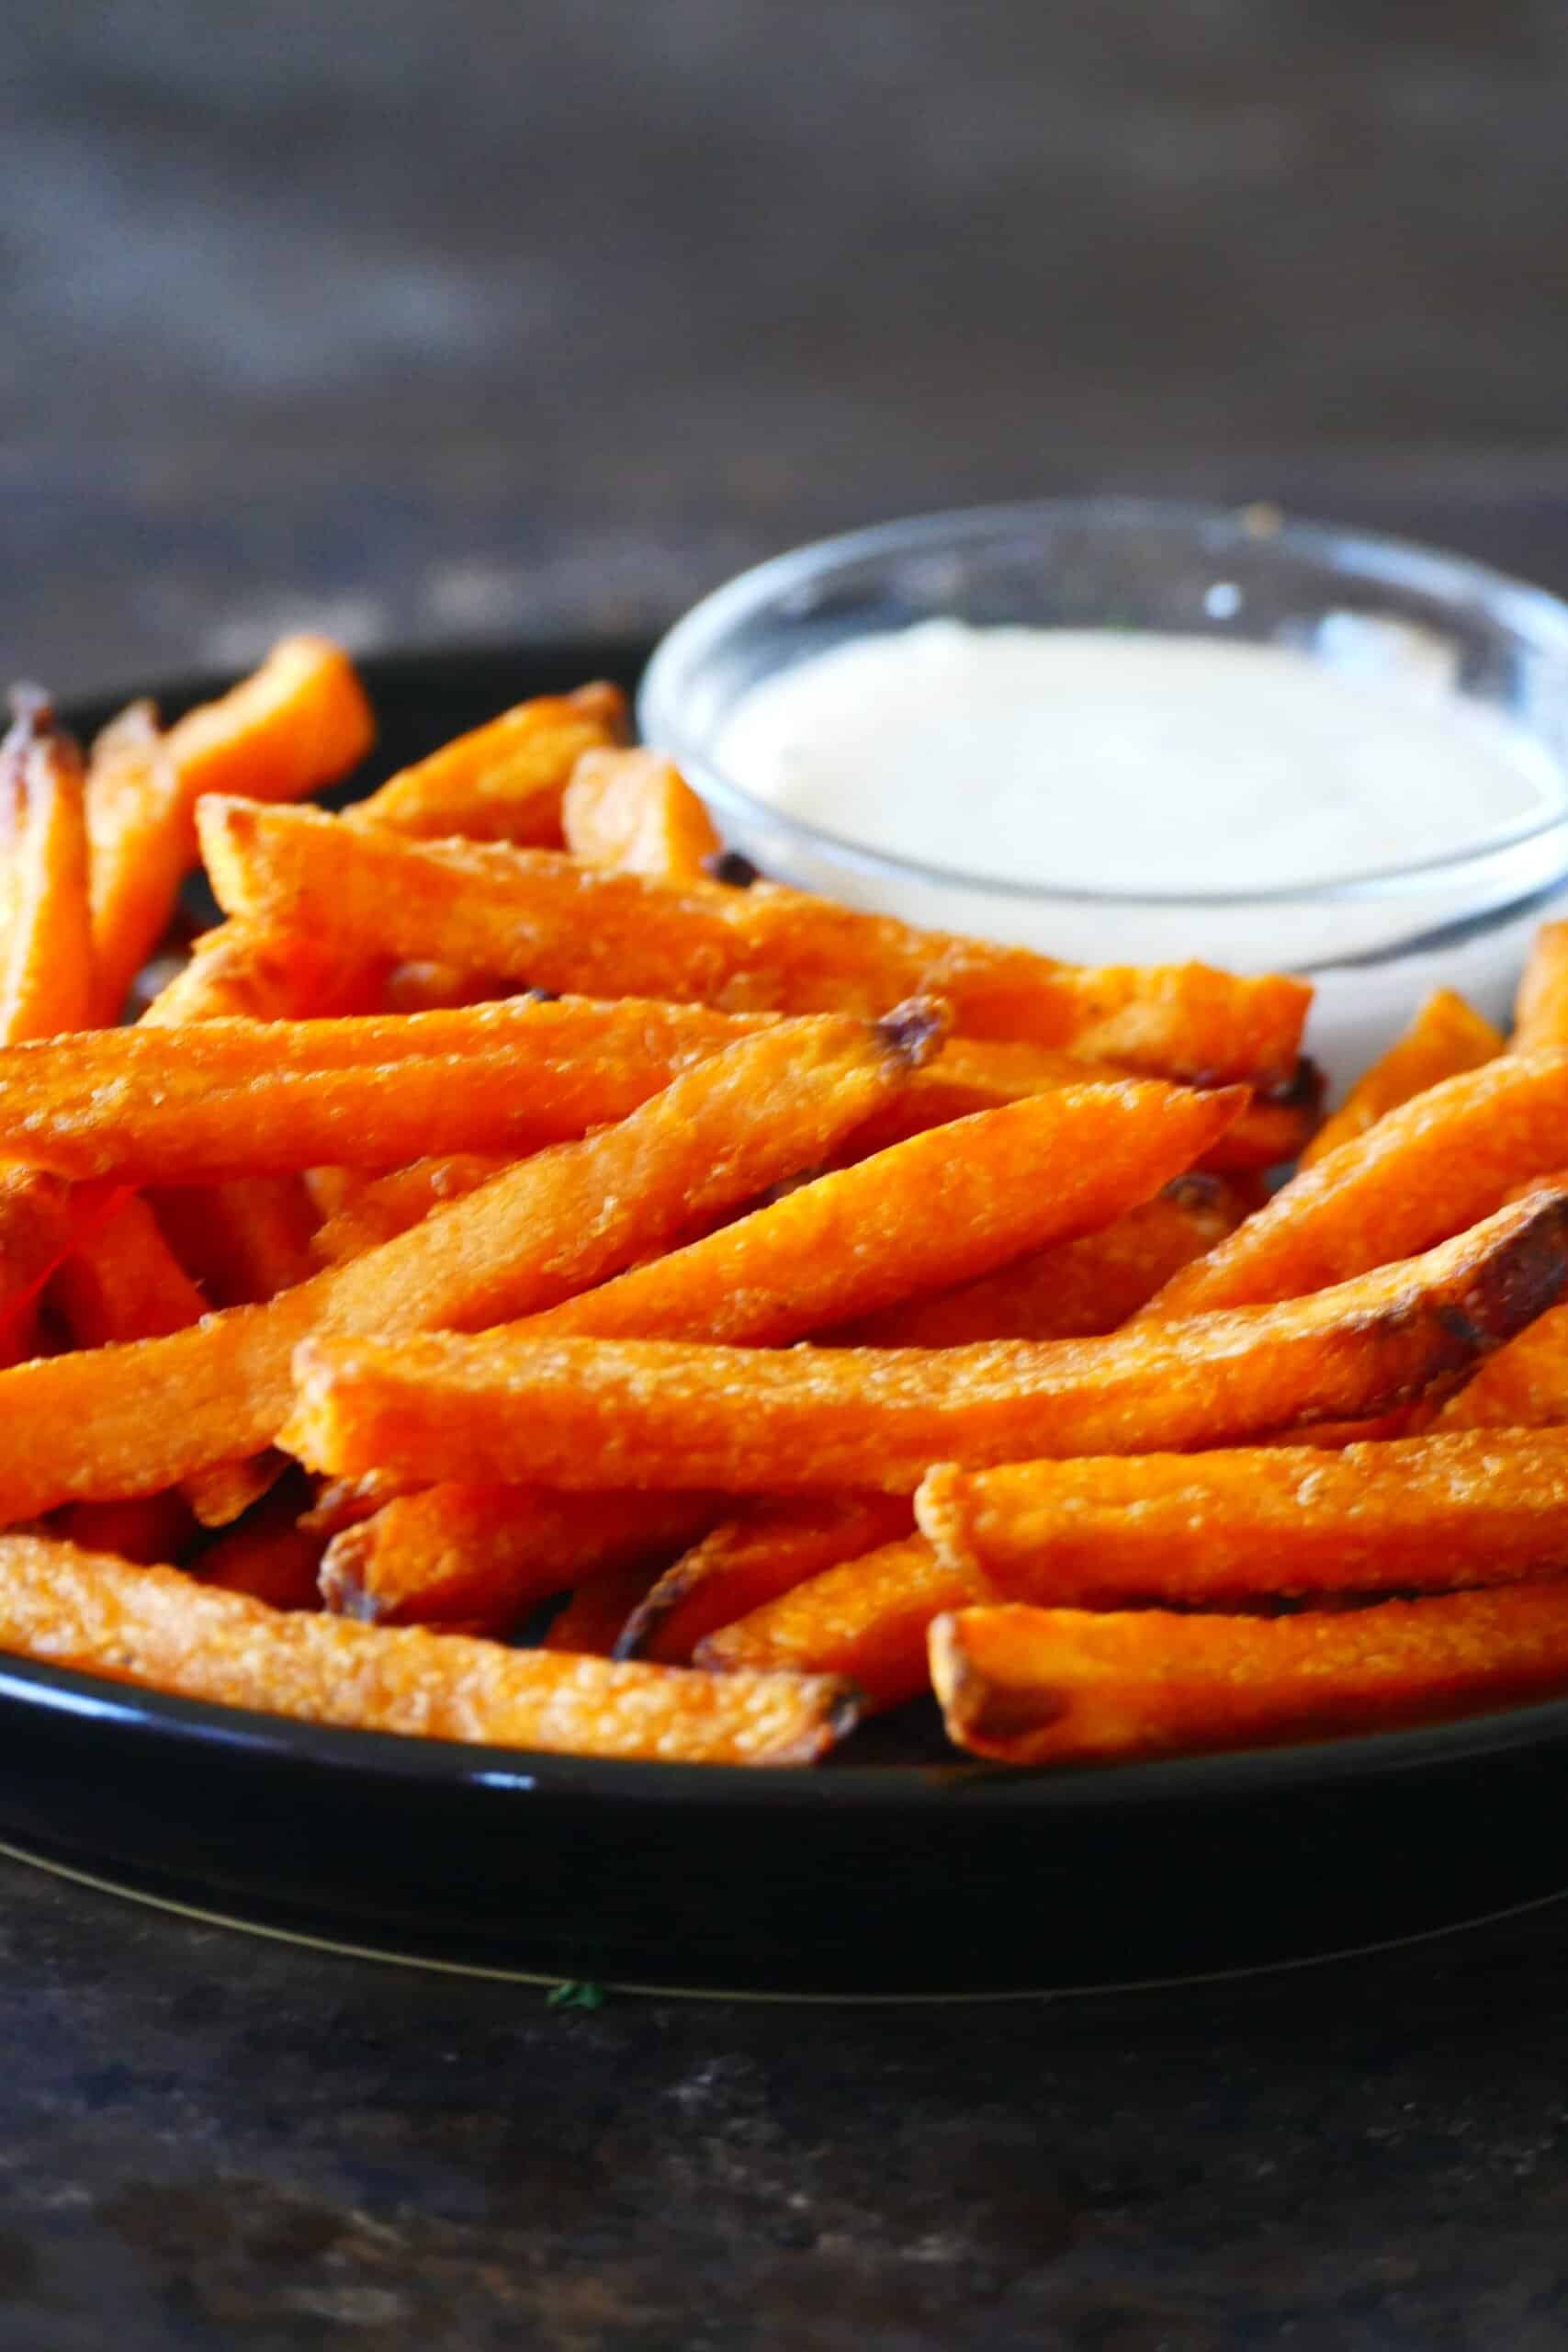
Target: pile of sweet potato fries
513, 1206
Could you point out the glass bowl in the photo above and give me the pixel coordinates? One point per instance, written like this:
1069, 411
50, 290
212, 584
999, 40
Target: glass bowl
1374, 945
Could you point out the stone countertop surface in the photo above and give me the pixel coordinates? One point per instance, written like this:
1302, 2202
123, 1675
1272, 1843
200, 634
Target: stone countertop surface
213, 2142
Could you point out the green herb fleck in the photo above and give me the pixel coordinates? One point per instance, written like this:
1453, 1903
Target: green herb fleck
576, 1996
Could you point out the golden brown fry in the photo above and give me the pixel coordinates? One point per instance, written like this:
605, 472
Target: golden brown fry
585, 1413
1446, 1037
750, 1559
129, 1421
181, 1105
592, 1622
954, 1202
269, 1555
1426, 1170
387, 1206
562, 925
139, 850
456, 1552
1438, 1512
634, 810
152, 1527
1072, 1291
46, 945
871, 1616
1058, 1686
124, 1282
1540, 1009
237, 973
502, 782
294, 725
1523, 1386
155, 1626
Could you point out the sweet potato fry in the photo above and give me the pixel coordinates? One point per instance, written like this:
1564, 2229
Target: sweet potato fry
1540, 1009
1279, 1124
154, 1626
237, 973
1059, 1686
1467, 1508
590, 1623
1523, 1386
1446, 1037
383, 1207
124, 1282
456, 1552
185, 1105
504, 781
585, 1413
563, 925
139, 847
42, 1219
268, 1556
130, 1420
1072, 1291
46, 945
871, 1616
752, 1559
634, 810
1426, 1170
244, 1240
295, 724
152, 1527
951, 1204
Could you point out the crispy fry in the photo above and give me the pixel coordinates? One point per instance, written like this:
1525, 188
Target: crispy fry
46, 946
458, 1551
152, 1527
634, 810
269, 1555
379, 1210
124, 1282
177, 1105
562, 925
1540, 1009
1278, 1125
1072, 1291
951, 1204
1462, 1509
1523, 1386
1446, 1037
504, 781
1057, 1686
130, 1420
42, 1219
244, 1240
592, 1622
295, 724
752, 1559
138, 848
585, 1413
1426, 1170
237, 973
154, 1626
871, 1615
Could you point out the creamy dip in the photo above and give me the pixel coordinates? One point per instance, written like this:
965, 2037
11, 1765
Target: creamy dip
1090, 760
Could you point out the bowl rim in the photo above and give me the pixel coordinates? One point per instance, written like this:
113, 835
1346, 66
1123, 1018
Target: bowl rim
1535, 615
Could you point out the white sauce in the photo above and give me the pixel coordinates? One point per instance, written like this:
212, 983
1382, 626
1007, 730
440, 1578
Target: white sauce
1094, 760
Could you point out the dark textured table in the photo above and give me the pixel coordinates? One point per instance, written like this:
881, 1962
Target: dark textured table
424, 323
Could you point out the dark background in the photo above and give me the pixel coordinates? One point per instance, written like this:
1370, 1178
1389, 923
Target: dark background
445, 319
429, 321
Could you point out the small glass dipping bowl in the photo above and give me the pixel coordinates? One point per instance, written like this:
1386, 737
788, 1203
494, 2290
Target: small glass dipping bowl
1374, 945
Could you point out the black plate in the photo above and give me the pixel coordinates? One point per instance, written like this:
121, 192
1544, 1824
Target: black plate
878, 1874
